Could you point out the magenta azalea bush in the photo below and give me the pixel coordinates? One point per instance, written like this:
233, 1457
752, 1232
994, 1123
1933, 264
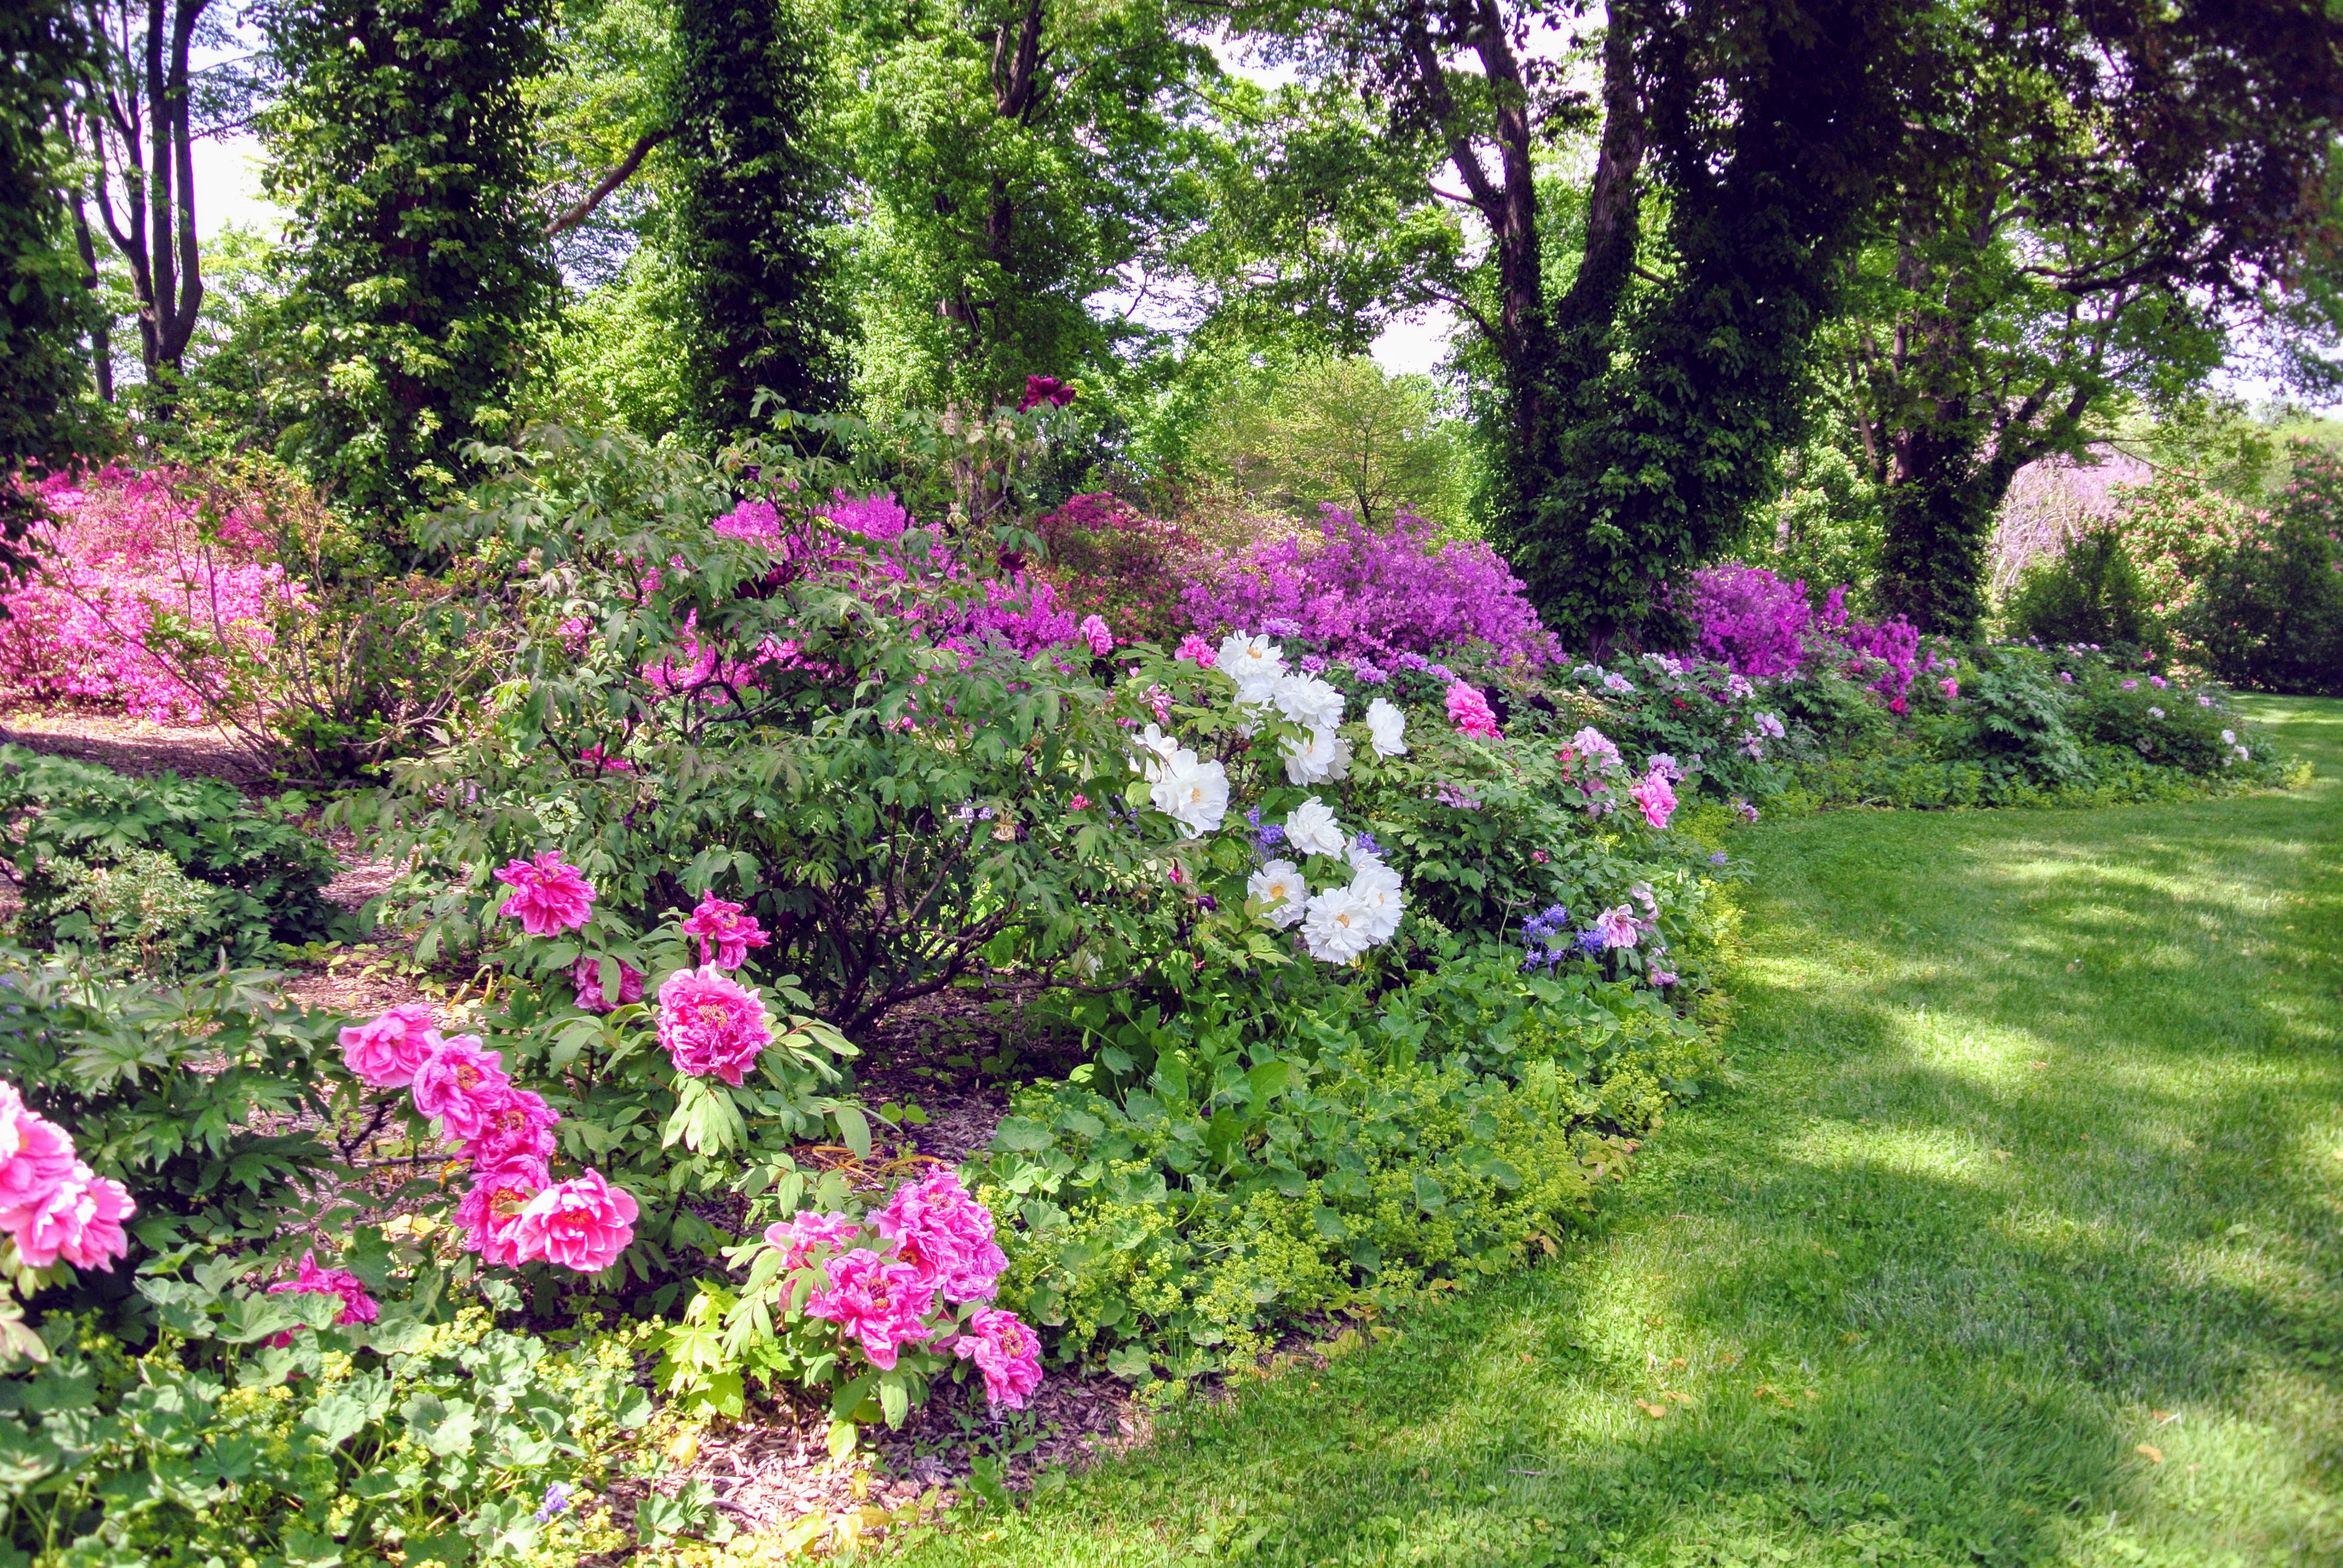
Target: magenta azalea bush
1361, 593
155, 591
1755, 624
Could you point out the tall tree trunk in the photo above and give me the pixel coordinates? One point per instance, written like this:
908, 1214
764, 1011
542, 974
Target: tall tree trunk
101, 332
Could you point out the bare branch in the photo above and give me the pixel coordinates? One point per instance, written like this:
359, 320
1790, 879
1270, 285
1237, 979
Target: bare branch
618, 175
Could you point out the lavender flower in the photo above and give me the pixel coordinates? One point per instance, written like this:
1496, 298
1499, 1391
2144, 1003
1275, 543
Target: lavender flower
556, 1500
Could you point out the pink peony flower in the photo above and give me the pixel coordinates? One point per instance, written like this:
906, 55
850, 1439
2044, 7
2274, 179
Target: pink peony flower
519, 1127
808, 1232
548, 895
80, 1221
1005, 1350
879, 1301
1663, 977
583, 1223
490, 1212
462, 1087
1470, 713
1078, 801
710, 1024
1093, 630
1197, 649
387, 1051
1654, 795
1952, 687
731, 929
358, 1307
944, 1234
37, 1157
586, 974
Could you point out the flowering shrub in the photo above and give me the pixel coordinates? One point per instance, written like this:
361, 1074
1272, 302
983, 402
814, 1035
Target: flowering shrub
1364, 594
1759, 626
155, 591
869, 1308
1105, 557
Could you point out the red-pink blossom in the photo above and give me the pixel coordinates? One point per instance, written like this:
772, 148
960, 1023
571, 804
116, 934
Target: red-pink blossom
385, 1051
879, 1301
1470, 713
946, 1234
548, 895
1093, 630
358, 1307
1196, 648
1654, 795
586, 974
519, 1126
710, 1024
462, 1087
583, 1223
37, 1157
1006, 1352
809, 1232
490, 1212
80, 1221
729, 928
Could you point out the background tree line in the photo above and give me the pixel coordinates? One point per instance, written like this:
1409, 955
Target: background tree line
1812, 276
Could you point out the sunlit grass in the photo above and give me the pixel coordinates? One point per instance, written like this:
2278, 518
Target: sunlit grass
2016, 1240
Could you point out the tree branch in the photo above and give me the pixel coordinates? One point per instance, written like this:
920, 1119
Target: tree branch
618, 175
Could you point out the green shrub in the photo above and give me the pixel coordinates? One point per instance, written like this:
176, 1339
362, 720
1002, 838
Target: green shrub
2089, 593
65, 819
212, 1103
2270, 612
452, 1442
1202, 1187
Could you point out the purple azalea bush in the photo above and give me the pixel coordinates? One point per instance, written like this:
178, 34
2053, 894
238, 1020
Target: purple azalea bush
1754, 623
1359, 592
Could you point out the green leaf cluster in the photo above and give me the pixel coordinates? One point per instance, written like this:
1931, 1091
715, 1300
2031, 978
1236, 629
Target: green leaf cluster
65, 817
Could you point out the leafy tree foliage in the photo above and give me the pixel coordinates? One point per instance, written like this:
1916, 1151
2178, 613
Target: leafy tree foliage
44, 303
1337, 431
1021, 158
2089, 186
755, 190
401, 146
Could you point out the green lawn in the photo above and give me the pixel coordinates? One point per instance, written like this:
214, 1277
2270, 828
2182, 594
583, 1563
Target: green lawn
2029, 1180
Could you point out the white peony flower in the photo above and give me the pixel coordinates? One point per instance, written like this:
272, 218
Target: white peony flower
1386, 728
1254, 663
1279, 885
1161, 750
1338, 927
1312, 829
2228, 738
1380, 894
1197, 793
1327, 755
1307, 700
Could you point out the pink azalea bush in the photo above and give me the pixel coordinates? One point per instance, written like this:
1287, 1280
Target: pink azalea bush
1372, 593
52, 1207
712, 1025
1757, 625
150, 594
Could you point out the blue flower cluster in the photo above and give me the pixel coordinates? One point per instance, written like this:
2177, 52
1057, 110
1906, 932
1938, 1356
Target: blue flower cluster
1549, 936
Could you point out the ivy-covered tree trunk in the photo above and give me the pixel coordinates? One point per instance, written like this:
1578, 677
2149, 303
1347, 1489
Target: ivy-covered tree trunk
45, 310
755, 194
402, 146
1671, 403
